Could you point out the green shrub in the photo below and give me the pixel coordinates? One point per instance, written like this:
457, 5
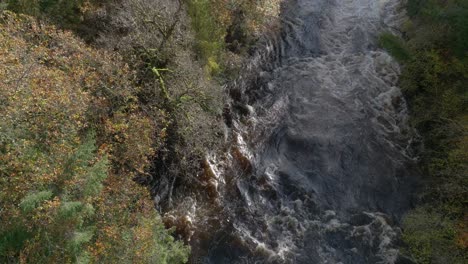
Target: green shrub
13, 240
209, 33
395, 46
64, 13
31, 201
431, 237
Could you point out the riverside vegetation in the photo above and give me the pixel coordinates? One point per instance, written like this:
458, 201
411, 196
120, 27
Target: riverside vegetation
72, 138
103, 105
98, 96
433, 50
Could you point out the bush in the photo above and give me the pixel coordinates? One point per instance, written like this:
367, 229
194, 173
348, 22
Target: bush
430, 237
209, 32
65, 13
234, 26
395, 46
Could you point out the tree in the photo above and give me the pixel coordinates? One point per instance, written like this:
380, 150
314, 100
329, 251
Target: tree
72, 138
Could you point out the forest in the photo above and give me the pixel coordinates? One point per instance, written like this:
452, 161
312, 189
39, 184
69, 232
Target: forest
101, 100
95, 97
433, 49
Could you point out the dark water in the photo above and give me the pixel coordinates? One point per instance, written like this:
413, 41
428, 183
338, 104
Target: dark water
319, 169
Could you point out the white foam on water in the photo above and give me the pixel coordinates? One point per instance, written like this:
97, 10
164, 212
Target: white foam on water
328, 100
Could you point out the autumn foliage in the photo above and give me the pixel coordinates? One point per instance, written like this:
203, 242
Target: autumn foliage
72, 138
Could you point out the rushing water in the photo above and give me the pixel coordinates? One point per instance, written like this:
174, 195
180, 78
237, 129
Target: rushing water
320, 168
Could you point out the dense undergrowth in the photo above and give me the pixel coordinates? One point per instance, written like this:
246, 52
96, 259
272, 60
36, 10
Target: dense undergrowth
123, 95
72, 137
433, 50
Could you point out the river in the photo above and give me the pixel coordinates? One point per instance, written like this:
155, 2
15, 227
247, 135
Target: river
320, 168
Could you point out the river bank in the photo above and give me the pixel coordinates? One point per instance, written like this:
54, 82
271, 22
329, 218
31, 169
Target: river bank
433, 52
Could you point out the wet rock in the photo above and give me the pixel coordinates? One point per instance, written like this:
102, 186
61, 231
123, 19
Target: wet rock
329, 214
361, 219
241, 159
184, 226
